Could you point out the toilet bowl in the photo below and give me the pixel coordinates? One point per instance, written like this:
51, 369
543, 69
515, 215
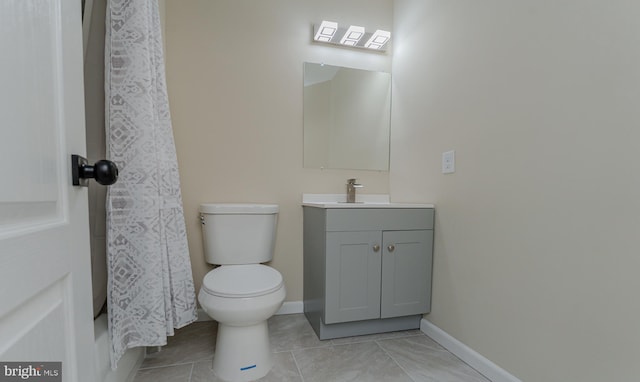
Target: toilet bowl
241, 298
241, 294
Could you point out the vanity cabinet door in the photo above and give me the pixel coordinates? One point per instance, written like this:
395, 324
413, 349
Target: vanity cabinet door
406, 273
353, 261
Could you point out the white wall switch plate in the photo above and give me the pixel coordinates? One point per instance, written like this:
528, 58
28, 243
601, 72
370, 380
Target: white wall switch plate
449, 162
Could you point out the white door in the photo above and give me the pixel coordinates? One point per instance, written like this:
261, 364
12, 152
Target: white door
45, 281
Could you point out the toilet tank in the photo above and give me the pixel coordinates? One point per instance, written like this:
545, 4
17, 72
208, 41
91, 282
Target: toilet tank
238, 233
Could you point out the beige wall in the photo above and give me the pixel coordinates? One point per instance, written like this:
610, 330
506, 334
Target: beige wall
234, 73
536, 252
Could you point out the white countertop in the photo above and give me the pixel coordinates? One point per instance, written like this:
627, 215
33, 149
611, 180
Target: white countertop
362, 201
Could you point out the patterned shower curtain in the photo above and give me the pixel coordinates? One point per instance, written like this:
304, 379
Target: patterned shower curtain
150, 286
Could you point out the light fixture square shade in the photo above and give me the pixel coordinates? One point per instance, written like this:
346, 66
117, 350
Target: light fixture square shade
352, 35
378, 39
325, 31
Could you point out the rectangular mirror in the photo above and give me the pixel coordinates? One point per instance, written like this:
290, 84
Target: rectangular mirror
347, 115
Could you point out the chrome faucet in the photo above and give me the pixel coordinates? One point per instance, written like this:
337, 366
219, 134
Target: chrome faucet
351, 190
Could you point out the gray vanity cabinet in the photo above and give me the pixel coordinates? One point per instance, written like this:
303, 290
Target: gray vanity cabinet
366, 270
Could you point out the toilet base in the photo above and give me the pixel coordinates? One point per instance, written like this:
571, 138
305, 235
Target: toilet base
242, 352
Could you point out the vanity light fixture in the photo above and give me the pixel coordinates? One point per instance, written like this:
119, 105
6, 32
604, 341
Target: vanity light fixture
354, 36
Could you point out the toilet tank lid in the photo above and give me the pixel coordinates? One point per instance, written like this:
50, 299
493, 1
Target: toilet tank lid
238, 208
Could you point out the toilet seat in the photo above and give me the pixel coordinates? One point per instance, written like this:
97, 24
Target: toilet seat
238, 281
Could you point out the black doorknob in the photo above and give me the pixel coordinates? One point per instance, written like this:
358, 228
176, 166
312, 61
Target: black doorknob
103, 171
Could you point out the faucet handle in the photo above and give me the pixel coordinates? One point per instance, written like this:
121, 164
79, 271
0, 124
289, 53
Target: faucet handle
352, 183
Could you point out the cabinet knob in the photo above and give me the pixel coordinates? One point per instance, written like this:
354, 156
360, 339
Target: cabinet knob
391, 247
376, 248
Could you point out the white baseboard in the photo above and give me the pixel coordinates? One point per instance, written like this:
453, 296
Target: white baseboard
474, 359
289, 307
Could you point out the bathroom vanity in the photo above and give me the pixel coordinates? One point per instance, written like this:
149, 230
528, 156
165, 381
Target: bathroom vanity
367, 266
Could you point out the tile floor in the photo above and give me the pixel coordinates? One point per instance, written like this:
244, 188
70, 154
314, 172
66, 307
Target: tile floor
299, 356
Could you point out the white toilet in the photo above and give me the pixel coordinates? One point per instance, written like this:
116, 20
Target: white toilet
241, 294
